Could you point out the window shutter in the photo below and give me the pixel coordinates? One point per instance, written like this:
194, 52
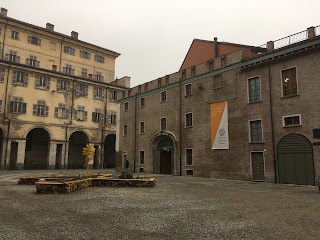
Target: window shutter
11, 106
39, 42
103, 95
102, 78
58, 85
24, 107
73, 51
64, 69
95, 93
109, 117
14, 77
93, 116
0, 105
72, 71
102, 117
65, 49
37, 80
75, 115
26, 80
68, 87
47, 111
67, 113
7, 57
2, 74
34, 112
56, 112
37, 64
48, 84
28, 61
29, 39
86, 91
85, 115
77, 89
18, 59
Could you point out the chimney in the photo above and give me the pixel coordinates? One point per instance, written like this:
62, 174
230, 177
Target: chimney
74, 35
50, 27
215, 45
3, 12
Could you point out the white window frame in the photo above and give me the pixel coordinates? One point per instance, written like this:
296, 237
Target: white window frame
185, 157
249, 125
294, 115
248, 90
144, 127
296, 81
161, 96
185, 124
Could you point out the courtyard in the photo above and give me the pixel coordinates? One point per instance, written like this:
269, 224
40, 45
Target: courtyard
176, 208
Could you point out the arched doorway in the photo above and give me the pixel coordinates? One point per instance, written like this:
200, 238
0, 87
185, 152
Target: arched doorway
295, 160
1, 147
110, 151
77, 141
37, 149
163, 156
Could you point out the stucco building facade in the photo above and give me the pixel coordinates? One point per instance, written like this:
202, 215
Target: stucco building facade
57, 94
270, 98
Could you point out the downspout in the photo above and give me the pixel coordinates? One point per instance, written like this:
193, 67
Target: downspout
272, 127
4, 39
180, 130
61, 54
135, 133
4, 117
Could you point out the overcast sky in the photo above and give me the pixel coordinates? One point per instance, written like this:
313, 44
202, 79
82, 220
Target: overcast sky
153, 36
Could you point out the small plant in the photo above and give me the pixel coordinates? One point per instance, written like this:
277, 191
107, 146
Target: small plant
125, 174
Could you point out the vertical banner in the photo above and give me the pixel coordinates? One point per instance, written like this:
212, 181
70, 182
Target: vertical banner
219, 125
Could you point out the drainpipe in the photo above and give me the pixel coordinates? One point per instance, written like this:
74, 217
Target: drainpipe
4, 117
180, 129
272, 127
61, 54
135, 133
4, 39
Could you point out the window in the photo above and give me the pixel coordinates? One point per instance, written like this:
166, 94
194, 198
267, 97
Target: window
193, 71
125, 130
42, 82
189, 120
141, 158
126, 106
20, 78
69, 50
142, 128
289, 82
255, 131
112, 117
139, 89
98, 77
98, 93
41, 109
188, 156
163, 124
81, 90
142, 102
15, 35
2, 74
84, 72
159, 82
63, 86
183, 74
61, 111
80, 114
84, 54
146, 87
210, 65
113, 95
68, 69
254, 89
292, 121
97, 116
99, 58
167, 80
32, 61
17, 105
12, 56
188, 90
163, 96
34, 40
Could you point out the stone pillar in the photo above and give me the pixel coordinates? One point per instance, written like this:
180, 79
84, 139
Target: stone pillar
311, 33
52, 156
20, 154
270, 46
7, 160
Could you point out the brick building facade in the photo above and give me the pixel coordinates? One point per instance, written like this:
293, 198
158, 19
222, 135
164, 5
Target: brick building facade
273, 119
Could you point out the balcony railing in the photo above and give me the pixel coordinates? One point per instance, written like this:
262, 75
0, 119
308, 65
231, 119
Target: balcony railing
294, 38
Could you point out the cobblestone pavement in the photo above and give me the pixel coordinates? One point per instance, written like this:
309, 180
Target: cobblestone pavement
177, 208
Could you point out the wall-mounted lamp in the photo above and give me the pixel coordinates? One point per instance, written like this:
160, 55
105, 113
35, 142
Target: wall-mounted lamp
200, 87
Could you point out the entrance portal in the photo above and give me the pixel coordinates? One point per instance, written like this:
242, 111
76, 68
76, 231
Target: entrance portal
295, 160
162, 157
37, 148
110, 151
77, 142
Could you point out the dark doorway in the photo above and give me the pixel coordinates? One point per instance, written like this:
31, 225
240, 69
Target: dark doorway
110, 151
295, 160
59, 156
257, 166
162, 157
37, 146
13, 155
77, 142
1, 147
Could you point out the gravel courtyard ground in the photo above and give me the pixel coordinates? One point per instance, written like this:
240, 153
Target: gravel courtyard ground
177, 208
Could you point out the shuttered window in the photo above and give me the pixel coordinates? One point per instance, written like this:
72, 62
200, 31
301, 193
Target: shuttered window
17, 105
41, 109
20, 78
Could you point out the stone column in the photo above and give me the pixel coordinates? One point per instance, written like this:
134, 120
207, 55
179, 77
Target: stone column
52, 156
311, 33
20, 154
270, 46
